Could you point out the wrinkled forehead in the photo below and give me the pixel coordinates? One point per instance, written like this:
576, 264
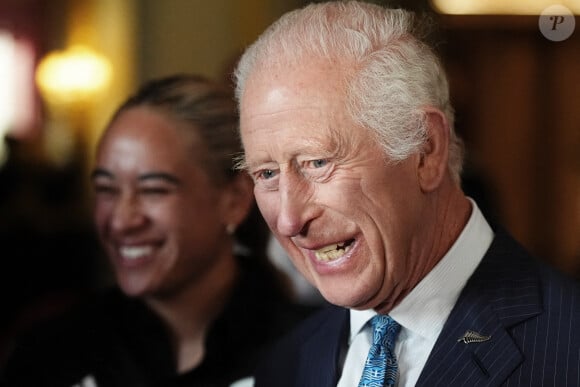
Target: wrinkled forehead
313, 77
292, 111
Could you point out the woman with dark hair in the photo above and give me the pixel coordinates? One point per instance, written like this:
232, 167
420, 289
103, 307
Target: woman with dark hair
196, 299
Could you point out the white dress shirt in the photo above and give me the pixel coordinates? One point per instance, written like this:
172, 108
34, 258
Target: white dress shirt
423, 312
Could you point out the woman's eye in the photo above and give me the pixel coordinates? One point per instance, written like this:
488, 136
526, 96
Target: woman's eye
104, 190
154, 191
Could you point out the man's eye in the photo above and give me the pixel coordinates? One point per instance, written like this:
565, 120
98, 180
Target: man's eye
317, 169
266, 174
319, 163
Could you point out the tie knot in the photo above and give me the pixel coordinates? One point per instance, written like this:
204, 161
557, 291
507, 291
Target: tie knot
385, 330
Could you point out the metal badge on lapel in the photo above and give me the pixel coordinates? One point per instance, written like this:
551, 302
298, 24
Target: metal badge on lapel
473, 337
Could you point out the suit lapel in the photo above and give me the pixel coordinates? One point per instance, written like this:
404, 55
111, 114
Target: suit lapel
503, 292
456, 363
320, 353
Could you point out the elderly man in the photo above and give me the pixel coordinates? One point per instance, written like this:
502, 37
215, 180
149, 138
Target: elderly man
348, 134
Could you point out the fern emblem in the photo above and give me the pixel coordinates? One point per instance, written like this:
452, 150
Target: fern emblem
473, 337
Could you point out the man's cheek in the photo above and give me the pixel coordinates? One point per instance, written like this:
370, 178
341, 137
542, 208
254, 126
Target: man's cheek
269, 211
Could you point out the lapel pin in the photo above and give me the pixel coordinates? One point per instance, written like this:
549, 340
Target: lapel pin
473, 337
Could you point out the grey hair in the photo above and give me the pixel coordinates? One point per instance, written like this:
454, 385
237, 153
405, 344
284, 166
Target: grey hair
394, 73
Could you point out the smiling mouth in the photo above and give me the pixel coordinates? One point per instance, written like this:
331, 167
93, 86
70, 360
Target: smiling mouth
135, 252
333, 252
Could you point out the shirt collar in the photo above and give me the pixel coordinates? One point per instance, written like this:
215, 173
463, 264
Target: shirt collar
426, 308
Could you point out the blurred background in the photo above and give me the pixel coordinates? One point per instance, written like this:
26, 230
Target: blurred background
65, 65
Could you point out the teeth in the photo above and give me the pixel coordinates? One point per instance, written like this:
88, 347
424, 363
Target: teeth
135, 252
332, 252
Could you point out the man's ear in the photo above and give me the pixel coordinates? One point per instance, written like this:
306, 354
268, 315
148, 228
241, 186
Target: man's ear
237, 200
432, 166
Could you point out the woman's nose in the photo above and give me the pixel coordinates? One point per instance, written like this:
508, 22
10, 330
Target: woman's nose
127, 214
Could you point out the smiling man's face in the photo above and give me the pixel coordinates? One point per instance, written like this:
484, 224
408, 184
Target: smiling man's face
349, 219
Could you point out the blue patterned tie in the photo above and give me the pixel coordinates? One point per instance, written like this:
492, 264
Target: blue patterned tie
381, 365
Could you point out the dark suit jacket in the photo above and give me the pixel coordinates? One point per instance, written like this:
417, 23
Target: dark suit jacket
531, 312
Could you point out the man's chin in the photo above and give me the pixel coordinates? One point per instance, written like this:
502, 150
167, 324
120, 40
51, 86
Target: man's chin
346, 298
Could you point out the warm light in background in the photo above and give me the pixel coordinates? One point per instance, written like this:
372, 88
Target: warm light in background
501, 7
17, 104
75, 75
71, 82
6, 70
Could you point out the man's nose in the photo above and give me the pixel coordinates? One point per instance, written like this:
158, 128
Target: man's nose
295, 205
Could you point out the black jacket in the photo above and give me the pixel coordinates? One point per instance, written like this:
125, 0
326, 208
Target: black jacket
118, 341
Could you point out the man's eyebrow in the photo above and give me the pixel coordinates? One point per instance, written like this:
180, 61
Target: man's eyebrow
240, 163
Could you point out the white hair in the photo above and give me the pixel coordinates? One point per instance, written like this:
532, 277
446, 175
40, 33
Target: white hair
393, 74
